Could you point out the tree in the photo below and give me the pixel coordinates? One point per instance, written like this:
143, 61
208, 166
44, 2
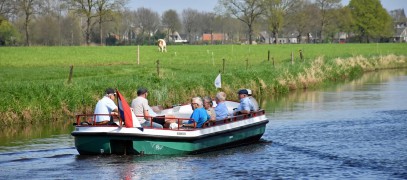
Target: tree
85, 8
371, 19
189, 17
147, 21
302, 18
325, 14
341, 22
105, 10
246, 11
171, 20
275, 12
8, 33
28, 8
6, 9
71, 30
207, 23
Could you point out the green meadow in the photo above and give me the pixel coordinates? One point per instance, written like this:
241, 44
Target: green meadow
35, 87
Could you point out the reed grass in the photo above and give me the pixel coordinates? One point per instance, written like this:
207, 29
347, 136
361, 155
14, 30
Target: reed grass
35, 89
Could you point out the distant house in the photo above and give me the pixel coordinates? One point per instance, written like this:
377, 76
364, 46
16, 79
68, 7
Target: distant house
214, 37
176, 37
400, 35
400, 23
264, 37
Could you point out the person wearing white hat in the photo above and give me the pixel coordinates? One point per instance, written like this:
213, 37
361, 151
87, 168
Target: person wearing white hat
106, 107
253, 100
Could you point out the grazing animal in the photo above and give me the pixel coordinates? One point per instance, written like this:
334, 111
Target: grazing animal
162, 46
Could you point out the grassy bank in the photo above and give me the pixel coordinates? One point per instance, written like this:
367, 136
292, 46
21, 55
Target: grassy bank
35, 89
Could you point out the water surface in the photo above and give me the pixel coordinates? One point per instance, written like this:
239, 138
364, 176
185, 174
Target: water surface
357, 130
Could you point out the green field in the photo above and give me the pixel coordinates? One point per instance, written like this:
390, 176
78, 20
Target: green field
35, 88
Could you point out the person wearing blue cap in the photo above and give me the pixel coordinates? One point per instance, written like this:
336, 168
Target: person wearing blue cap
245, 105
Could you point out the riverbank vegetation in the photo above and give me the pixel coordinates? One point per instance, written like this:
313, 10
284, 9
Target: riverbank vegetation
35, 85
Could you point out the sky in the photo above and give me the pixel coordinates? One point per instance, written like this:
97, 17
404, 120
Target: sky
208, 5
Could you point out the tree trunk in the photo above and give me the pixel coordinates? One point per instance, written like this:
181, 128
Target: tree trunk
250, 33
87, 31
27, 34
275, 33
26, 27
100, 31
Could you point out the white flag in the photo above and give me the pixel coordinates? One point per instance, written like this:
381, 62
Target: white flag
218, 82
136, 122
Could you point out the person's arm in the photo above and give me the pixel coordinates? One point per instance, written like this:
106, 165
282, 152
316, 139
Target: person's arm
193, 119
111, 105
145, 110
212, 115
243, 108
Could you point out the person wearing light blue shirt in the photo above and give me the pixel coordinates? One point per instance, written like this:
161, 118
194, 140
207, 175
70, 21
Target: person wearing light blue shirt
221, 110
245, 105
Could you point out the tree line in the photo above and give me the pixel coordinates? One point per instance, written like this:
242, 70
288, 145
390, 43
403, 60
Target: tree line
87, 22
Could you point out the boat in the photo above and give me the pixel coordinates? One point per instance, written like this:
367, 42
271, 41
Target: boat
119, 138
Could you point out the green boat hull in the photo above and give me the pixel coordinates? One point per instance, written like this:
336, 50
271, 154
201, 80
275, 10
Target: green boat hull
120, 144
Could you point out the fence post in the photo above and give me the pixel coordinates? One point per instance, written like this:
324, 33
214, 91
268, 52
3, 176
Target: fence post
70, 74
247, 64
268, 56
292, 57
138, 54
158, 67
273, 60
223, 66
301, 57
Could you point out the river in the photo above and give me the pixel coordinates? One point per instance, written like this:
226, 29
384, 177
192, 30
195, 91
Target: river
356, 130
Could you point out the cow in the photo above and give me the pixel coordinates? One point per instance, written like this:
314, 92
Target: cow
162, 46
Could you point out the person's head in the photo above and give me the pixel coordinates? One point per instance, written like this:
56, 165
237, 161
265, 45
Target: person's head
207, 102
110, 93
142, 92
196, 102
220, 97
249, 92
242, 93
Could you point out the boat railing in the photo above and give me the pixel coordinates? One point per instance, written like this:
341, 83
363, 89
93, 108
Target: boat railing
90, 120
234, 118
163, 119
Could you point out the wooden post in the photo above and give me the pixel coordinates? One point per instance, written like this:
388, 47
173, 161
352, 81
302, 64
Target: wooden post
301, 57
158, 67
268, 56
138, 54
247, 64
213, 60
273, 60
70, 74
292, 57
223, 66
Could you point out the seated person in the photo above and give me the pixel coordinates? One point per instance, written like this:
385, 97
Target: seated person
208, 105
245, 105
199, 115
141, 108
106, 106
221, 110
253, 100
